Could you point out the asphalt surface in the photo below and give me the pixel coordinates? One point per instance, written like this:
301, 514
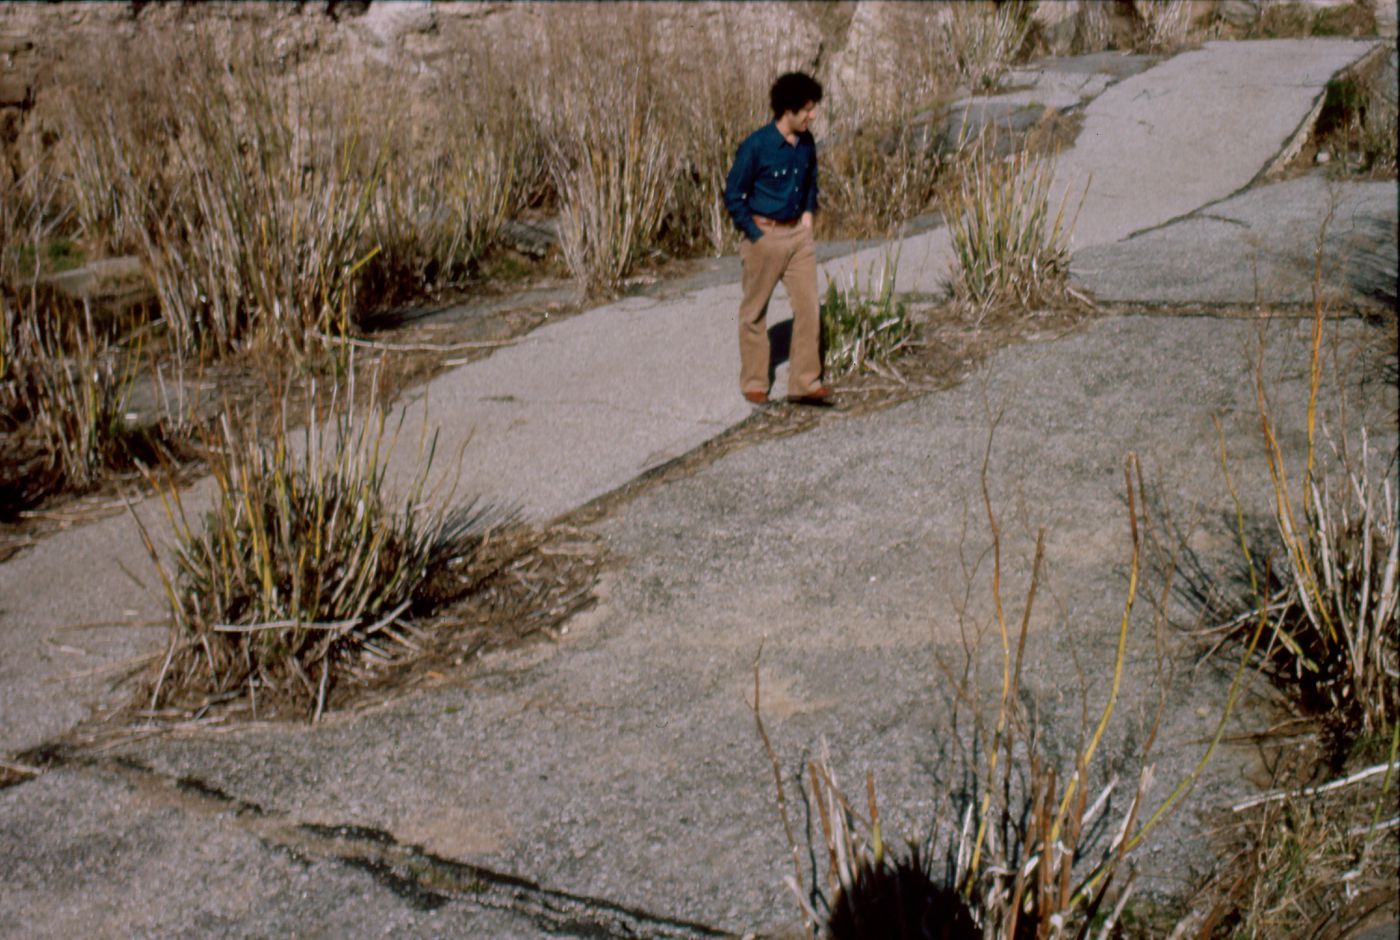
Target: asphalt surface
611, 783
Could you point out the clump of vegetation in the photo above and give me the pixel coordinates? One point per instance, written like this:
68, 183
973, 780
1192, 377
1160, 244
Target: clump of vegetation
1164, 24
1308, 859
883, 175
1322, 586
863, 327
305, 571
1029, 850
1326, 590
882, 162
1357, 125
30, 215
452, 175
1008, 246
984, 39
612, 163
64, 388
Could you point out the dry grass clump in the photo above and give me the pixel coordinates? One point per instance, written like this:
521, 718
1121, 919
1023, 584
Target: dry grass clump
64, 388
1033, 848
1009, 248
272, 203
881, 176
882, 161
864, 326
1326, 588
1164, 24
611, 159
246, 191
31, 220
985, 38
461, 156
305, 570
1322, 594
1312, 861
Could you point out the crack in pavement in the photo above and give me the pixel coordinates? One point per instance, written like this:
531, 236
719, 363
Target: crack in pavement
610, 406
421, 879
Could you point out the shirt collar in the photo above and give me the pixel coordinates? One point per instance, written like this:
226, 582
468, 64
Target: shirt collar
777, 135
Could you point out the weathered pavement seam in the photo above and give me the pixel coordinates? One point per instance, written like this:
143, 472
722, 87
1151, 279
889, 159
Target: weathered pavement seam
421, 879
1286, 152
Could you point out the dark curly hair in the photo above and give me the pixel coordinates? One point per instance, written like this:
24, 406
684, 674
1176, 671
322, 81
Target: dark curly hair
793, 90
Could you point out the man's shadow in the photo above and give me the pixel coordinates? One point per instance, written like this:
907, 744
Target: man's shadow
779, 347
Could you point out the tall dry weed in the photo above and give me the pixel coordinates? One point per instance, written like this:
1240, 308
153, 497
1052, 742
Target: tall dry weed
882, 163
985, 38
1327, 585
612, 159
1010, 243
1037, 844
64, 389
304, 573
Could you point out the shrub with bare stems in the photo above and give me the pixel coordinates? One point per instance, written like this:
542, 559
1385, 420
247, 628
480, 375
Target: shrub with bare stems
1009, 248
64, 389
1164, 23
612, 160
1327, 587
304, 572
984, 39
1029, 850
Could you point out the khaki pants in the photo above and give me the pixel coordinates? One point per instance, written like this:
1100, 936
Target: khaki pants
786, 253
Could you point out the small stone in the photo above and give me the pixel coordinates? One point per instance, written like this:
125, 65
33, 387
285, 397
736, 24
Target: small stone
1241, 14
1323, 157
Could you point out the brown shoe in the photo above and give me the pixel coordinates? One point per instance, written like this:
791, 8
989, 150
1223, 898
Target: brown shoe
758, 398
820, 396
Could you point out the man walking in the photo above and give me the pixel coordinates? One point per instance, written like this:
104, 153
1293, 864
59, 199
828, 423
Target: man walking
771, 195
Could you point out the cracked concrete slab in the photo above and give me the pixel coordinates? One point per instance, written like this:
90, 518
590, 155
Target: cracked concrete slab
1194, 129
1258, 248
622, 763
1191, 130
88, 853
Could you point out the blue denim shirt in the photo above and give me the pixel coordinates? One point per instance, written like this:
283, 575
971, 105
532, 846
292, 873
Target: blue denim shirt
771, 178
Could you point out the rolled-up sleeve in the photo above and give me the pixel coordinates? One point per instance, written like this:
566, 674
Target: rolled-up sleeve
737, 189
